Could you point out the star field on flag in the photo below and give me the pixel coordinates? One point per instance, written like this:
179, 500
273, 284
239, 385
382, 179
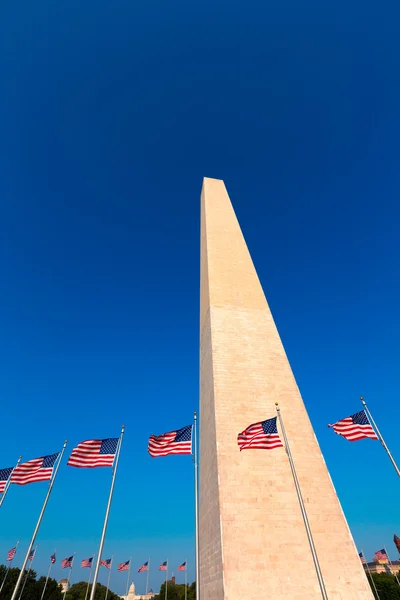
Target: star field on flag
94, 453
4, 477
173, 442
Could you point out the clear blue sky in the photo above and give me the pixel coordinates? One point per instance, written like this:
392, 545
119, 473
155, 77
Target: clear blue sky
110, 115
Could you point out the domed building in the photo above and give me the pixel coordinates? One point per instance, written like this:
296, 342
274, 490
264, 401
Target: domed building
64, 585
132, 594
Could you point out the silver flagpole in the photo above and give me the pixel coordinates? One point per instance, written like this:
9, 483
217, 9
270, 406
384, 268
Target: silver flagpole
378, 433
48, 575
147, 578
370, 575
127, 579
8, 568
390, 562
166, 582
4, 494
69, 576
27, 574
109, 576
186, 579
196, 505
55, 471
103, 534
302, 508
88, 583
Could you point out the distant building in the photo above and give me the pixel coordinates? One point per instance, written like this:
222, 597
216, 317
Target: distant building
64, 585
380, 566
132, 594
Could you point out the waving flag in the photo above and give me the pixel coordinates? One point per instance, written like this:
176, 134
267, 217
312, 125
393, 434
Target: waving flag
32, 555
123, 566
94, 453
397, 542
182, 567
163, 566
173, 442
11, 554
4, 477
262, 435
67, 562
354, 428
361, 555
106, 563
382, 555
53, 558
87, 563
38, 469
144, 567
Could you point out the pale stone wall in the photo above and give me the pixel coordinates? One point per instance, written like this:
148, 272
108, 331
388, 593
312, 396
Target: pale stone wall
253, 543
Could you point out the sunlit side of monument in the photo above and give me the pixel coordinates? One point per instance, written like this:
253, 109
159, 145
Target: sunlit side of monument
252, 538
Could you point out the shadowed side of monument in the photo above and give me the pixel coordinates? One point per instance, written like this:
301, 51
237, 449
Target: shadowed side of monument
253, 543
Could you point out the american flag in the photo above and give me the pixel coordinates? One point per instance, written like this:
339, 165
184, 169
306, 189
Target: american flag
354, 428
382, 555
173, 442
106, 563
4, 477
67, 562
32, 555
163, 566
144, 567
397, 542
182, 567
11, 554
53, 558
38, 469
87, 562
124, 566
262, 435
94, 453
361, 555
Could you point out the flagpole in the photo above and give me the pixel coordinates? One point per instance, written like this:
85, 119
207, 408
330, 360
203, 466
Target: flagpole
302, 508
370, 575
147, 578
4, 494
109, 575
186, 579
166, 581
127, 579
9, 567
88, 583
103, 534
378, 433
196, 504
69, 575
390, 562
48, 575
15, 592
27, 574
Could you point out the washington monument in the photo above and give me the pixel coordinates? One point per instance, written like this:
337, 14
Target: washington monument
252, 539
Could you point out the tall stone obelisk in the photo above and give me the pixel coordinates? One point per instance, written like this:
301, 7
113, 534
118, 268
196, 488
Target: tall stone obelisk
253, 544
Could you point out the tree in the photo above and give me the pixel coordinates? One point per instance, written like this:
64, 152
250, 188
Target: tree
32, 589
78, 592
387, 586
176, 591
